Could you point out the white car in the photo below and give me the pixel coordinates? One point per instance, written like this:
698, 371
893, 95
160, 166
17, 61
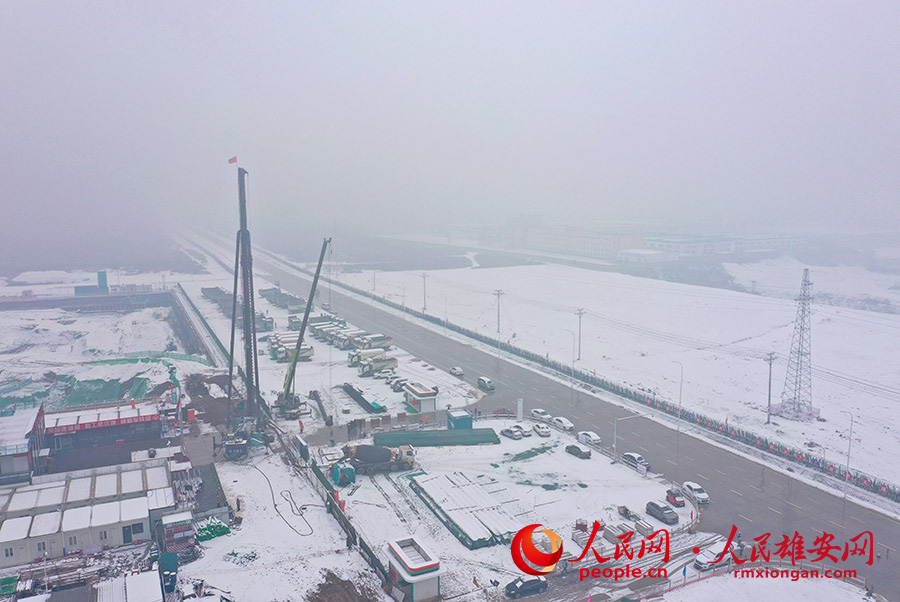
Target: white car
705, 559
540, 414
563, 423
588, 437
384, 374
696, 492
456, 371
526, 432
542, 430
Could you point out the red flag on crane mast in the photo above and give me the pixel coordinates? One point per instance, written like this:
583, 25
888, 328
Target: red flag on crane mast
232, 160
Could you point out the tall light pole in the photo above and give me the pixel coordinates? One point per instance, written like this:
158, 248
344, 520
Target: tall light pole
579, 312
573, 366
770, 358
424, 294
847, 472
616, 432
678, 422
498, 293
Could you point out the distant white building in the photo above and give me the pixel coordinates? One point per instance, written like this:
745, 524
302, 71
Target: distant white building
645, 256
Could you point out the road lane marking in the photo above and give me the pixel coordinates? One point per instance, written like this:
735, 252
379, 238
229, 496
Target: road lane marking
687, 457
658, 444
755, 487
794, 505
672, 463
815, 501
745, 518
643, 449
836, 525
857, 520
720, 472
702, 477
774, 510
736, 493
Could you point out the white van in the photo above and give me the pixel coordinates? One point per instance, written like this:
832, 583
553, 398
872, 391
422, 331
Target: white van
485, 384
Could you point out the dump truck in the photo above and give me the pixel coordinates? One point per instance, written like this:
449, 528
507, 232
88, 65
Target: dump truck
372, 341
355, 357
370, 366
369, 459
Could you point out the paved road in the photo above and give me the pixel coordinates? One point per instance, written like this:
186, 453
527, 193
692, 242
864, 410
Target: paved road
744, 493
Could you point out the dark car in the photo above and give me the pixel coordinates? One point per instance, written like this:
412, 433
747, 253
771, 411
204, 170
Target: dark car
578, 451
526, 586
674, 497
662, 512
398, 385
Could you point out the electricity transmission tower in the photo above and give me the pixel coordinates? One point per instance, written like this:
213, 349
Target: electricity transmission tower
796, 398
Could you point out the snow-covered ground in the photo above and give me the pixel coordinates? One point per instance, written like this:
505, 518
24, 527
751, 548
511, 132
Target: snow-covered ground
635, 330
843, 285
286, 532
543, 484
728, 587
35, 342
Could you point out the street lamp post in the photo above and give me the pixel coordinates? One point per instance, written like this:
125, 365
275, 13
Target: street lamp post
616, 432
678, 422
847, 472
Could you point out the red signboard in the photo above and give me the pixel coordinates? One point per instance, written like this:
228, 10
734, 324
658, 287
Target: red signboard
83, 426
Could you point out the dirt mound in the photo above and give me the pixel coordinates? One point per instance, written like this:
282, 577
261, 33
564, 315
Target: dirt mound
335, 589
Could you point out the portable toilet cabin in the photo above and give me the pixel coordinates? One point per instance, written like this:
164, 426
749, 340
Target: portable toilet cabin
423, 399
459, 419
414, 570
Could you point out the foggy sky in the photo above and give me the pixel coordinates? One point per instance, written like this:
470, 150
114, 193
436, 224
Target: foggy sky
408, 114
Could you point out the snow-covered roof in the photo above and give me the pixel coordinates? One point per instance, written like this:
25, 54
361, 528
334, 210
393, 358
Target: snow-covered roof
106, 485
143, 587
51, 496
22, 500
14, 430
111, 590
15, 529
157, 477
79, 490
105, 514
76, 518
95, 417
46, 524
160, 498
132, 480
134, 509
178, 517
142, 455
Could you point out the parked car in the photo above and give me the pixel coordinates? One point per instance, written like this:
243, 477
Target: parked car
384, 374
662, 512
563, 423
398, 384
588, 437
705, 559
634, 460
579, 451
695, 492
390, 380
542, 430
456, 371
485, 384
674, 497
526, 586
526, 432
512, 433
540, 414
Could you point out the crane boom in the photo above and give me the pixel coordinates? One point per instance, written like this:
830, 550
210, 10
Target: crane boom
289, 378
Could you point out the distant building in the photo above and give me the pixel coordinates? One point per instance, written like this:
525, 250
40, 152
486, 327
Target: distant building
691, 245
95, 426
645, 256
21, 438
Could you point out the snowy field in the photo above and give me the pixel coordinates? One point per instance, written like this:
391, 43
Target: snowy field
35, 342
286, 543
635, 330
839, 285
